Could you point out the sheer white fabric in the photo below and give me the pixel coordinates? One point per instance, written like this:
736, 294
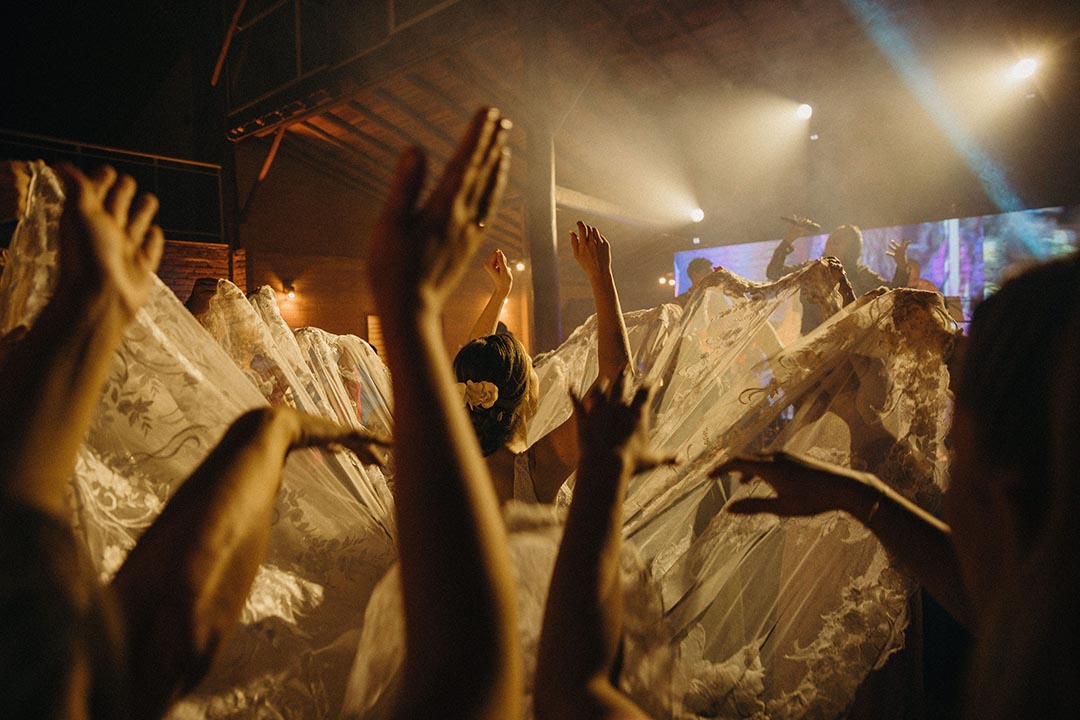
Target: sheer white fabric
170, 395
726, 617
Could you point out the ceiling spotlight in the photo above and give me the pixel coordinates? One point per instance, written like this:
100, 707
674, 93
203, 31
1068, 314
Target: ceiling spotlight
290, 292
520, 266
697, 214
696, 241
671, 281
663, 280
815, 136
804, 111
1024, 69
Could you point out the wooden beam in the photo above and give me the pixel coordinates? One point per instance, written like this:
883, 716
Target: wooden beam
436, 35
539, 200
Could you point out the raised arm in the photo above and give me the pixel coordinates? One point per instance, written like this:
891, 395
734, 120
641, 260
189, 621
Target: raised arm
593, 253
556, 454
183, 586
462, 658
898, 252
806, 486
583, 615
502, 280
51, 379
776, 268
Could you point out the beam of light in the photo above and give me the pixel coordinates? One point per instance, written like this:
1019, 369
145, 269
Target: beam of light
804, 112
1024, 69
899, 51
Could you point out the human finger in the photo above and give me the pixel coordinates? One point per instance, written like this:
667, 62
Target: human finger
76, 183
574, 242
145, 209
480, 180
583, 233
102, 180
747, 466
118, 200
651, 461
641, 397
152, 248
467, 159
496, 185
618, 385
406, 185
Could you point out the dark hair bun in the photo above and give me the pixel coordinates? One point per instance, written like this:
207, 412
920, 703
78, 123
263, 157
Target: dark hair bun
502, 360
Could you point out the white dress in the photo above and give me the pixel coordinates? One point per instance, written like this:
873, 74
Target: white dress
725, 616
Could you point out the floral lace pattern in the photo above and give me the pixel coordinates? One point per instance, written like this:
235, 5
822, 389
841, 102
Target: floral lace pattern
726, 617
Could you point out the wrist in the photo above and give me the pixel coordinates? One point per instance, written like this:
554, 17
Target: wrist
99, 305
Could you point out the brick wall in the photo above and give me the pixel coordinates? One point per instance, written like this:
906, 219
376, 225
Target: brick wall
184, 262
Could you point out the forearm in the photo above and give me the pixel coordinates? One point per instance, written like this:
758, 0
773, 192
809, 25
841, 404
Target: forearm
921, 542
583, 616
901, 276
776, 268
488, 321
184, 585
612, 343
457, 587
50, 385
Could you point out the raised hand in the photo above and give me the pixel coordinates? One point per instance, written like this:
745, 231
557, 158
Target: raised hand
609, 426
419, 253
798, 226
804, 486
107, 246
592, 251
499, 272
898, 252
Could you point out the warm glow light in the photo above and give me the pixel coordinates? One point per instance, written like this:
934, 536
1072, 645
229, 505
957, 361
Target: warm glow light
290, 292
696, 241
1024, 69
697, 214
663, 281
520, 266
815, 136
804, 111
671, 281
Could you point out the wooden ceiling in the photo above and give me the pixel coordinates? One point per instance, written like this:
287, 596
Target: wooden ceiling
365, 83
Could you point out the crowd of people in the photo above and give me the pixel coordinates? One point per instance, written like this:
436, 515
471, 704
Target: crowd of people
1003, 561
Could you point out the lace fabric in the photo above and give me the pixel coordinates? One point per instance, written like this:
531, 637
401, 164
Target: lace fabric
726, 617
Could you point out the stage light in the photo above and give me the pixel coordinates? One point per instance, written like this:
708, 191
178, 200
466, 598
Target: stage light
804, 111
1024, 69
697, 215
696, 241
520, 266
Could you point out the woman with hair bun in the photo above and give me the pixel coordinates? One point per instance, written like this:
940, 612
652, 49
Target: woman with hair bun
500, 388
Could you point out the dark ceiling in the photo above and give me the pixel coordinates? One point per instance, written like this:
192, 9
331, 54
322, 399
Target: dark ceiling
650, 103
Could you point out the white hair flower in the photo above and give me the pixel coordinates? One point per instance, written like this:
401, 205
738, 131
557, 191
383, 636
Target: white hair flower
482, 394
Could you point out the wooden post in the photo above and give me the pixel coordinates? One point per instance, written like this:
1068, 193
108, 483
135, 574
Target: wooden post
539, 195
